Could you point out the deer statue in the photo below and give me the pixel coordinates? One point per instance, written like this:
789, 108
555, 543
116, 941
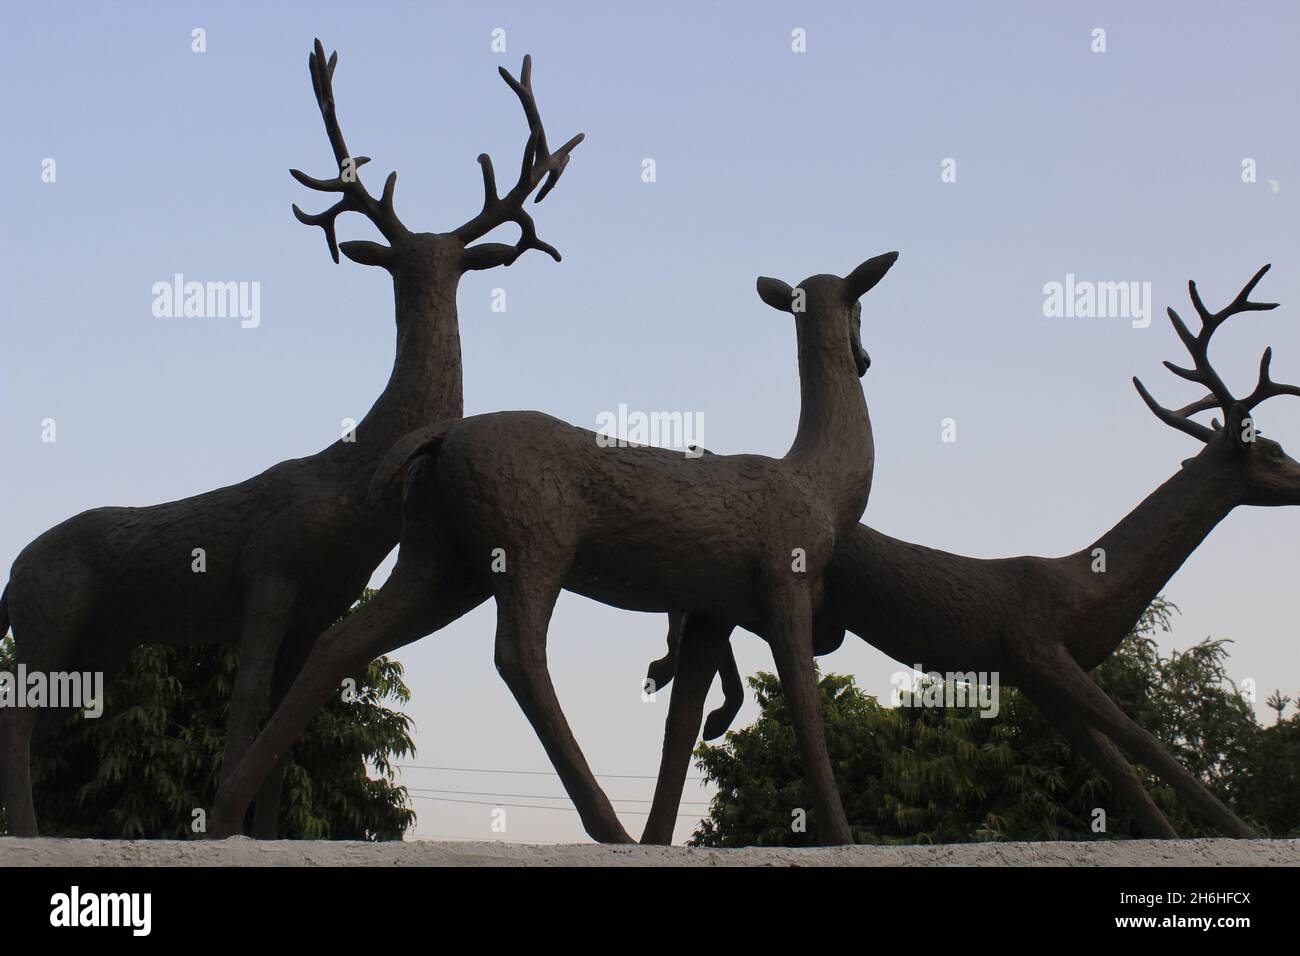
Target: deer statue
1041, 623
518, 505
283, 553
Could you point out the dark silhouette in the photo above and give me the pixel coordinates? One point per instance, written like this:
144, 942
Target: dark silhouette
289, 550
1042, 623
518, 505
163, 718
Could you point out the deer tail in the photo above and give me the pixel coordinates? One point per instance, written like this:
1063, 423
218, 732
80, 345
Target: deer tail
422, 441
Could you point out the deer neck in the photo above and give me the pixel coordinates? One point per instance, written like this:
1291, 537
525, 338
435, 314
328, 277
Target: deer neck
833, 442
426, 383
1144, 550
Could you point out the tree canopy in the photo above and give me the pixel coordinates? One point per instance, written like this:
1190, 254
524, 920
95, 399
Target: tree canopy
154, 756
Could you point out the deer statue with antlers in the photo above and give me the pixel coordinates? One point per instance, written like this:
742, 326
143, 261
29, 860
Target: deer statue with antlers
286, 552
1042, 623
518, 505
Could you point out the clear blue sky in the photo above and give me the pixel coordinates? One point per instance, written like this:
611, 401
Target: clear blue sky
1118, 166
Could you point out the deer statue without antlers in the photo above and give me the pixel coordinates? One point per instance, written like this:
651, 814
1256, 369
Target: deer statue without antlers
726, 539
287, 551
1042, 623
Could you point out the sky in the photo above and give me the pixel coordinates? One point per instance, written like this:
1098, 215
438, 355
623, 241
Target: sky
992, 144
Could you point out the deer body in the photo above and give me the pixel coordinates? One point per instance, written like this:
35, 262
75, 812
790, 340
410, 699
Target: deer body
722, 540
283, 554
286, 552
647, 524
310, 517
1042, 623
306, 518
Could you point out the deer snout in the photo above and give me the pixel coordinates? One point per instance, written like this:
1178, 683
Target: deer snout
862, 360
860, 356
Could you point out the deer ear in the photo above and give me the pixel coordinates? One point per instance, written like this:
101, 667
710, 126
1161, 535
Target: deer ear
776, 293
862, 279
368, 253
487, 255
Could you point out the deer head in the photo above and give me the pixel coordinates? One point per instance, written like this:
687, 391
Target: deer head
410, 252
1267, 475
831, 302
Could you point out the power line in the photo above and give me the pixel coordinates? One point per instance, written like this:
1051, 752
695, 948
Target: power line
538, 796
532, 773
533, 806
443, 838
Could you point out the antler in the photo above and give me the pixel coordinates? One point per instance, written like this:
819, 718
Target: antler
1204, 374
1267, 388
1179, 418
355, 196
538, 163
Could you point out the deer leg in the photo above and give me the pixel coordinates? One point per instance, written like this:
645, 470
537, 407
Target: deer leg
33, 727
266, 808
1062, 675
16, 779
790, 627
826, 639
1097, 749
406, 608
733, 690
104, 657
660, 673
22, 730
268, 609
523, 614
703, 644
419, 597
57, 644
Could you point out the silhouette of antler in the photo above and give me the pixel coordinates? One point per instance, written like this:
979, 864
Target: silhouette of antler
1267, 388
355, 198
538, 163
1203, 373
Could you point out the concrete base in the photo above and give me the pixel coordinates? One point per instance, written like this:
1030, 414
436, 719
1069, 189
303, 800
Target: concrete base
242, 851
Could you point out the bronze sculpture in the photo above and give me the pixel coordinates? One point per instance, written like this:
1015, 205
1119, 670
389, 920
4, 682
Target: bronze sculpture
1042, 623
287, 551
725, 539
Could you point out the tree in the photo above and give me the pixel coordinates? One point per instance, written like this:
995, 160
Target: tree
1277, 702
1272, 777
154, 756
948, 774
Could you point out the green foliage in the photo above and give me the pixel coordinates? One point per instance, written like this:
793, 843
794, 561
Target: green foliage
1270, 782
947, 774
154, 756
